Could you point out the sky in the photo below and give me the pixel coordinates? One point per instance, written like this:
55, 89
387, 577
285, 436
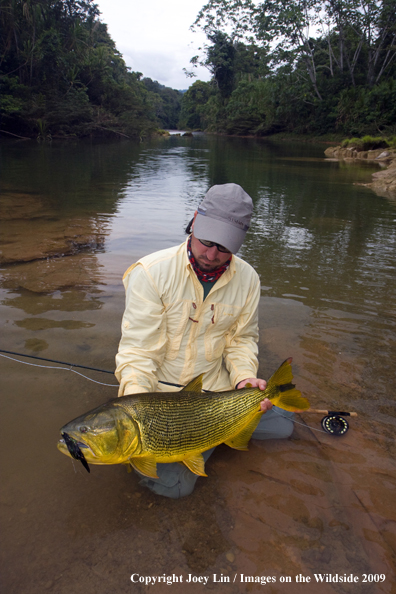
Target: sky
154, 37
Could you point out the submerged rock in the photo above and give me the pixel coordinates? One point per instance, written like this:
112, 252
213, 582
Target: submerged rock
43, 253
40, 239
36, 345
32, 232
54, 274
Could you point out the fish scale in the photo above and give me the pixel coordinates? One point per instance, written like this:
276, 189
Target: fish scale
188, 420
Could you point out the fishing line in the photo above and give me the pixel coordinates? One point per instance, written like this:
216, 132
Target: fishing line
61, 368
55, 361
298, 422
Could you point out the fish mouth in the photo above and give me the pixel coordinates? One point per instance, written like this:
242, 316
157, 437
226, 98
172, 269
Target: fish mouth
80, 444
74, 448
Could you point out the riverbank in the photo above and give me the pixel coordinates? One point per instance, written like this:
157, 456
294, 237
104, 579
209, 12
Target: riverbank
384, 181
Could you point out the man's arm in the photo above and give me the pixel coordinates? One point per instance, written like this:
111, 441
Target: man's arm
240, 353
241, 350
143, 342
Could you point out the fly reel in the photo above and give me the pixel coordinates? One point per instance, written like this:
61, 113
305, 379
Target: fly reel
335, 424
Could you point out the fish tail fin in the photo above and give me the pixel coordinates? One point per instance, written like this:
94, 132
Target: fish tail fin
282, 393
291, 400
283, 375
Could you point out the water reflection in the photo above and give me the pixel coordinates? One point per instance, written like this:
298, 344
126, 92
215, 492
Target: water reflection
77, 217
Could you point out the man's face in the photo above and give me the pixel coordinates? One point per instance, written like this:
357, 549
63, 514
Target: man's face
208, 259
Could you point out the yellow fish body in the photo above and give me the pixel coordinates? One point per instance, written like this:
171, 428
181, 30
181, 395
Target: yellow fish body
144, 429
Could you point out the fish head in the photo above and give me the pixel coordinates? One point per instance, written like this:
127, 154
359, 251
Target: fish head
105, 435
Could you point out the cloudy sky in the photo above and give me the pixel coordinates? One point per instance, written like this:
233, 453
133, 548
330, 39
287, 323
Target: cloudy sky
154, 37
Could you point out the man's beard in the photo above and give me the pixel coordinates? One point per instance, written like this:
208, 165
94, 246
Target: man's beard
206, 265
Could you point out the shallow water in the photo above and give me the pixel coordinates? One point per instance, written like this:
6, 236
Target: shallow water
74, 217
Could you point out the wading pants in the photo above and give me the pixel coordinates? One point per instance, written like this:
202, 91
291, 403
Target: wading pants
176, 480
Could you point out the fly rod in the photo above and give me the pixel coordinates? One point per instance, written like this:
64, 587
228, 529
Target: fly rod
333, 422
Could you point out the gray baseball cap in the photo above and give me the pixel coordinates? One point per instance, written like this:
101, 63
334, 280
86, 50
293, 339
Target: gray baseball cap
224, 216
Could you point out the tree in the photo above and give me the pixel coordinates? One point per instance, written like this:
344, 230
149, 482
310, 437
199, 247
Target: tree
166, 101
62, 74
355, 30
220, 58
365, 27
194, 106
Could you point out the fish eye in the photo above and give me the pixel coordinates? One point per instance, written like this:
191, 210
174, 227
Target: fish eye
83, 429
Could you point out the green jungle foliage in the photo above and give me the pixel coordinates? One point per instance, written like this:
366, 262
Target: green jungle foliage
61, 75
368, 143
269, 75
166, 103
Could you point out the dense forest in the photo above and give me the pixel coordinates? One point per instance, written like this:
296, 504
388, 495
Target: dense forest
307, 67
61, 75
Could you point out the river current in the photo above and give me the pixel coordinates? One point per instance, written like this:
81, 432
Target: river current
297, 515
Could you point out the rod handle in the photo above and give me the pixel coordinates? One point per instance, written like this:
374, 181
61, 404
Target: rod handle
331, 412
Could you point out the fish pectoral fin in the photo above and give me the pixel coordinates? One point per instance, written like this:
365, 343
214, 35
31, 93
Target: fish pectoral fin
195, 385
240, 440
196, 464
291, 400
146, 465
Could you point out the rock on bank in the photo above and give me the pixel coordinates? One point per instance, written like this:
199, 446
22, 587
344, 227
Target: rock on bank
384, 182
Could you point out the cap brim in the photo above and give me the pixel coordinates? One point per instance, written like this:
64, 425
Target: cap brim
219, 232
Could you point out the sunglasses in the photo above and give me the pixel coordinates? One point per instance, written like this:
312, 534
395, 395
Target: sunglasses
210, 244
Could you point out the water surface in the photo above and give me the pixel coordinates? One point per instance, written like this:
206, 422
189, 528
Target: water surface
74, 217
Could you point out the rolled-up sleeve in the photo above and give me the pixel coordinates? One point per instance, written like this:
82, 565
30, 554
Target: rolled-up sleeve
143, 341
241, 350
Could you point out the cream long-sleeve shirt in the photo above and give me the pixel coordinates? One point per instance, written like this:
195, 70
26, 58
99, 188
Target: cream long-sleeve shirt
170, 334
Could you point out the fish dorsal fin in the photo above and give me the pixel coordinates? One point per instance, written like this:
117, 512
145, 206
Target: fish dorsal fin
194, 386
146, 465
196, 464
240, 440
291, 400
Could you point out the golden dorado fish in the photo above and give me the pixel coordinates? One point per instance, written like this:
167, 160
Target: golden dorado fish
143, 429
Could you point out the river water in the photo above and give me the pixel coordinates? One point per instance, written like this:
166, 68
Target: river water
74, 216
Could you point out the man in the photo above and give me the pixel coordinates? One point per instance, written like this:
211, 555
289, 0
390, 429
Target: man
193, 309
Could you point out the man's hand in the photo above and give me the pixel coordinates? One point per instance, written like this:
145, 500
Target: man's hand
256, 382
266, 405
